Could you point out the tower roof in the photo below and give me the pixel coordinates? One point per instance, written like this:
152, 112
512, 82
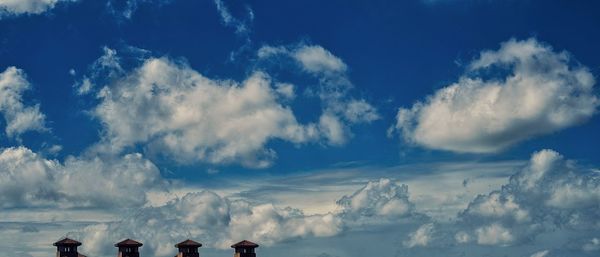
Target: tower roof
244, 244
128, 242
188, 243
66, 242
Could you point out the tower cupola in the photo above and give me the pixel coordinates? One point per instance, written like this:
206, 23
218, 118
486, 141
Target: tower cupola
244, 249
128, 248
188, 248
66, 247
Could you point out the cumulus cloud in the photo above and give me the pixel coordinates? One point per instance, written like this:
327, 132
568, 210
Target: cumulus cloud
169, 108
493, 234
381, 199
30, 180
173, 108
521, 217
543, 91
19, 117
549, 193
420, 237
214, 220
16, 7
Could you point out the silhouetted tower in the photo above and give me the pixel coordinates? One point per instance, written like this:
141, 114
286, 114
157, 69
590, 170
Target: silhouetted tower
244, 249
188, 248
128, 248
66, 248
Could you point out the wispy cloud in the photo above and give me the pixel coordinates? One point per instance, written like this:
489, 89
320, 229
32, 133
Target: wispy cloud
242, 26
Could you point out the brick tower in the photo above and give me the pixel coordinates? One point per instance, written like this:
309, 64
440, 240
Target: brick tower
244, 249
66, 248
128, 248
188, 248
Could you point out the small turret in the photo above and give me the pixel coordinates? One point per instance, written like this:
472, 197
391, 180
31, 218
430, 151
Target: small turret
128, 248
188, 248
244, 249
66, 248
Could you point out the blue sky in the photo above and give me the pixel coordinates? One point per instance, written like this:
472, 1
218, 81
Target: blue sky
413, 127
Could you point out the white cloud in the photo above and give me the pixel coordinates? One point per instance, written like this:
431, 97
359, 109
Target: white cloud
190, 117
543, 92
540, 253
381, 207
217, 221
169, 108
107, 67
16, 7
19, 117
312, 58
592, 245
360, 111
547, 194
339, 109
493, 234
316, 59
420, 237
381, 199
462, 237
29, 180
286, 90
497, 205
333, 129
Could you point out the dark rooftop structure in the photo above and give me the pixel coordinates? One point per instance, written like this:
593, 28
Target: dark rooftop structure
67, 247
188, 248
128, 242
128, 248
188, 243
244, 248
67, 242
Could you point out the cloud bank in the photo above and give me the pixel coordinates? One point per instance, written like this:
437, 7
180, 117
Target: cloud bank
549, 207
217, 221
543, 91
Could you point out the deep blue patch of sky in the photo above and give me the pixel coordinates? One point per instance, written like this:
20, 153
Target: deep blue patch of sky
397, 53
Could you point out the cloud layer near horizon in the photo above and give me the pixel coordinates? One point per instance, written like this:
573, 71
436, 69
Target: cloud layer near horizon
544, 91
217, 221
550, 204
